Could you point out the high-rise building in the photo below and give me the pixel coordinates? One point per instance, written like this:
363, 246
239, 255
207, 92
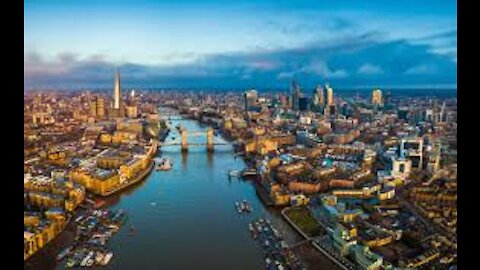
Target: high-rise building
412, 148
303, 103
318, 99
377, 97
284, 100
330, 100
93, 108
131, 106
296, 95
100, 107
131, 111
116, 91
251, 99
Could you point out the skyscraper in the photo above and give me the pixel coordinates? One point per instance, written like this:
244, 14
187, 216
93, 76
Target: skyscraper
330, 100
116, 91
251, 99
93, 108
377, 97
318, 100
296, 94
100, 107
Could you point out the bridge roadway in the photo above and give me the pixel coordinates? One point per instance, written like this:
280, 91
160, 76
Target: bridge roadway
194, 144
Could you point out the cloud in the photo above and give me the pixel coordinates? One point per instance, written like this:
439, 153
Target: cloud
350, 60
321, 68
420, 69
369, 69
442, 43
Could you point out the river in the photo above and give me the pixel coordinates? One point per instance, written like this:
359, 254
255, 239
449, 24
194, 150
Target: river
185, 218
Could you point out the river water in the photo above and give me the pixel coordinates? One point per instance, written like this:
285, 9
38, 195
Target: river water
185, 218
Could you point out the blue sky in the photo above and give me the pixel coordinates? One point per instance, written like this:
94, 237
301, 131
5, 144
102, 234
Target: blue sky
240, 44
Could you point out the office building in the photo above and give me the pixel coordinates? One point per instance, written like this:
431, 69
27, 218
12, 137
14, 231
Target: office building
93, 108
377, 97
251, 99
116, 91
412, 148
303, 104
296, 95
100, 107
318, 99
330, 100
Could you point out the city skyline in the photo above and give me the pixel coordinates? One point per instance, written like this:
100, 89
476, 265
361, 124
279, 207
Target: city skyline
186, 45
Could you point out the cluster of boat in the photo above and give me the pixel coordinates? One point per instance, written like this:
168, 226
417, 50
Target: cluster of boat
164, 164
94, 229
88, 258
243, 207
277, 253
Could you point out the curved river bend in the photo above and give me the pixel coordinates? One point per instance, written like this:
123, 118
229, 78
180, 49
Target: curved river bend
185, 218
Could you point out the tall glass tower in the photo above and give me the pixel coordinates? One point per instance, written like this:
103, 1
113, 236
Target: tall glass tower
116, 91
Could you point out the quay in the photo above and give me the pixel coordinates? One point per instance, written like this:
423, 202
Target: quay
262, 193
142, 175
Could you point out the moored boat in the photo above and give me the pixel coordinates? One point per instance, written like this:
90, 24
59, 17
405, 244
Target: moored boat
99, 257
107, 258
64, 253
164, 165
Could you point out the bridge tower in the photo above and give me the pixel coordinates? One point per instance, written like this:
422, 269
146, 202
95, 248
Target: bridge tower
184, 136
210, 139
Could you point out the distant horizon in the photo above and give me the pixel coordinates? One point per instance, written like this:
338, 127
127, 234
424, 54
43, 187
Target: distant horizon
349, 90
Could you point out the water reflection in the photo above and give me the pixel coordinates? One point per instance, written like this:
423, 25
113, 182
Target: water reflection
184, 160
210, 159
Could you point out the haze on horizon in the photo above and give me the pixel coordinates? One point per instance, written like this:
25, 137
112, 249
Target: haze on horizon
240, 44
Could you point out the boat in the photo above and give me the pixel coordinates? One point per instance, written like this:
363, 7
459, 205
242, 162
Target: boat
239, 207
107, 258
71, 262
165, 165
64, 253
233, 173
90, 262
99, 257
88, 257
246, 206
78, 219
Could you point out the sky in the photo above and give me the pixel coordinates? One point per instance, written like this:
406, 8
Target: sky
263, 44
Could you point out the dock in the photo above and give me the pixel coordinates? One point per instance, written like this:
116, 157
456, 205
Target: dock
262, 193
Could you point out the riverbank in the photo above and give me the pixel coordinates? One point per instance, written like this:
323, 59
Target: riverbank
142, 175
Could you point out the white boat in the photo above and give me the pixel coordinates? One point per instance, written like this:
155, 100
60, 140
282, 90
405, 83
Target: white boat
164, 165
84, 261
89, 262
234, 173
107, 258
99, 257
64, 253
239, 208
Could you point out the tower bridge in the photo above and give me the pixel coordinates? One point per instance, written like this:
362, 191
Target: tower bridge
184, 135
